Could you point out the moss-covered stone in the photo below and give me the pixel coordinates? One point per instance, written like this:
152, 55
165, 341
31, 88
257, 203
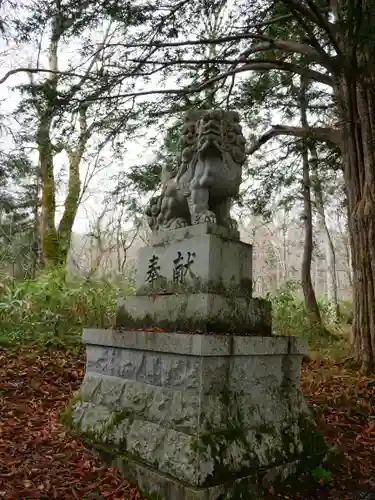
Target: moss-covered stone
194, 433
221, 447
93, 424
196, 313
163, 286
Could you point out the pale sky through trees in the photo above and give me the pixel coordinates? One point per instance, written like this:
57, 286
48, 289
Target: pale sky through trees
135, 151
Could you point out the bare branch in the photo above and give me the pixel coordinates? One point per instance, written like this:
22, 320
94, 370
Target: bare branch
200, 41
256, 65
286, 46
284, 17
266, 45
326, 134
266, 65
313, 13
298, 47
41, 70
309, 34
76, 88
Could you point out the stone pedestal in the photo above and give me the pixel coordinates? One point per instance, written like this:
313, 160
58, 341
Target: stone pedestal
196, 279
201, 258
199, 312
190, 416
211, 408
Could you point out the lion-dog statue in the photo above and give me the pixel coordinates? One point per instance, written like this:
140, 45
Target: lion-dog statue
207, 173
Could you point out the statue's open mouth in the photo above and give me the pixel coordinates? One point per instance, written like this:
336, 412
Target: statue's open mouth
210, 145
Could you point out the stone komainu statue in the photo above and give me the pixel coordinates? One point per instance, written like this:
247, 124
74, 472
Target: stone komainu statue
207, 176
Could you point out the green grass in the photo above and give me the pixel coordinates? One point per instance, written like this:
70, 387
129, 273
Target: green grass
52, 311
289, 318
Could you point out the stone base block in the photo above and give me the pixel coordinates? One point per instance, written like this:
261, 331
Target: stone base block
165, 237
200, 258
165, 487
201, 411
196, 313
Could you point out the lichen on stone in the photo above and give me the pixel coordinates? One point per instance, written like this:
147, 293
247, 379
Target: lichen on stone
236, 315
197, 285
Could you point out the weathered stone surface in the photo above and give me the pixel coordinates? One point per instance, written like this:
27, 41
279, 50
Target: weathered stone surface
193, 459
170, 451
247, 372
190, 392
91, 417
100, 423
167, 488
138, 397
167, 370
153, 480
110, 393
198, 418
211, 152
216, 265
195, 345
193, 416
164, 238
199, 312
242, 373
184, 410
90, 384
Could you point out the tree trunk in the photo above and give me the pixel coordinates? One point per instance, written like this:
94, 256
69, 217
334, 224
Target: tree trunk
332, 275
46, 111
330, 249
311, 304
70, 208
348, 259
36, 246
348, 28
347, 243
357, 109
49, 236
56, 242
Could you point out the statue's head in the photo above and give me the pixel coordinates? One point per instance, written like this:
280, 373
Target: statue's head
212, 132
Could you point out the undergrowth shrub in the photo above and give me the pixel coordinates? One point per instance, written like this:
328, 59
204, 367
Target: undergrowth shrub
289, 317
52, 310
288, 313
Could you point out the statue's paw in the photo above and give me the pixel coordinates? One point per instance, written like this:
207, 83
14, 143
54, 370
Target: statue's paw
175, 223
206, 216
178, 223
233, 224
229, 223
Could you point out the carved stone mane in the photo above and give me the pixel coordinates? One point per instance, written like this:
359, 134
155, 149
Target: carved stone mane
211, 152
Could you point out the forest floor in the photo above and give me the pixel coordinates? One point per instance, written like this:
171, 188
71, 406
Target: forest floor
39, 459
